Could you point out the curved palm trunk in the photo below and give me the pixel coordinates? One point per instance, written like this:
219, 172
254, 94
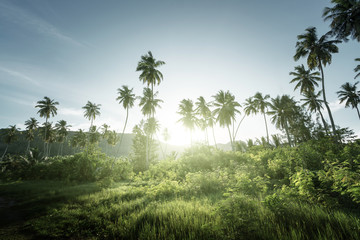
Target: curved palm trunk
323, 120
267, 131
7, 145
324, 97
237, 129
357, 109
122, 135
231, 141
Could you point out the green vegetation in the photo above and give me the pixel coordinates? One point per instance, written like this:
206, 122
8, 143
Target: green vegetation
310, 191
304, 187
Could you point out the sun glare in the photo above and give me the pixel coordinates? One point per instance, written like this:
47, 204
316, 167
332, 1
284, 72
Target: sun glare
180, 136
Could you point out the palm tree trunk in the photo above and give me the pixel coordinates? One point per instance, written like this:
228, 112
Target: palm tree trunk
323, 120
231, 142
45, 145
207, 136
357, 109
267, 131
287, 133
122, 135
324, 97
214, 136
28, 147
7, 145
237, 129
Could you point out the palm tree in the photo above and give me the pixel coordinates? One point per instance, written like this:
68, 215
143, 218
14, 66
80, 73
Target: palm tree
149, 103
79, 139
318, 52
225, 111
203, 110
11, 136
313, 103
31, 126
127, 98
345, 19
149, 74
281, 111
47, 107
91, 111
261, 105
188, 119
62, 129
349, 94
306, 80
49, 135
357, 69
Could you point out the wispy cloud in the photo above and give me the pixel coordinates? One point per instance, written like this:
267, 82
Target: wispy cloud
19, 75
336, 106
34, 23
70, 112
18, 101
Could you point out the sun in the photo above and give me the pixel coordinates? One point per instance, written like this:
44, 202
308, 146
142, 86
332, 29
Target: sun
180, 136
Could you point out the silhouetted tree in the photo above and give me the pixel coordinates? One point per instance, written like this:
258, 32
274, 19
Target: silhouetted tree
350, 96
318, 53
345, 19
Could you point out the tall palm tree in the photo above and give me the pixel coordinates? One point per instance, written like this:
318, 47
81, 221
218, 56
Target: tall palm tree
62, 129
281, 111
357, 69
261, 103
313, 103
46, 107
225, 111
188, 117
49, 136
11, 136
127, 98
91, 111
318, 53
148, 104
345, 19
306, 80
203, 110
31, 126
350, 96
149, 73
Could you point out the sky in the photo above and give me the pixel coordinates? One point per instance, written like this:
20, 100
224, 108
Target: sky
74, 51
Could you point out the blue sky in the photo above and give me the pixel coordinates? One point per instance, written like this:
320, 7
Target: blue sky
75, 51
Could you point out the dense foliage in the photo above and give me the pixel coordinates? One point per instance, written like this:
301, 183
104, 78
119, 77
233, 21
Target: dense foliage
310, 191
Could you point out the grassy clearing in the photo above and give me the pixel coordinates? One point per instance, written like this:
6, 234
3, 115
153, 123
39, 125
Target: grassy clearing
127, 211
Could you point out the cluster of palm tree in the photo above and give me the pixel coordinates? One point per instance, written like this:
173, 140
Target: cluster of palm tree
223, 110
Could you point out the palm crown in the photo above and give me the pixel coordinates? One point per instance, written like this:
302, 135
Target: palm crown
47, 107
345, 19
126, 97
306, 80
148, 102
91, 111
148, 66
317, 50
